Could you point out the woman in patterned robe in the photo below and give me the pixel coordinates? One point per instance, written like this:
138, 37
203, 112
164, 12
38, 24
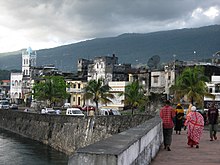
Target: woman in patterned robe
195, 125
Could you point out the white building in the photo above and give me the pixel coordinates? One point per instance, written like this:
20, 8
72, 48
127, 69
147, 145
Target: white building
116, 88
161, 81
28, 61
102, 68
20, 88
108, 69
213, 88
16, 87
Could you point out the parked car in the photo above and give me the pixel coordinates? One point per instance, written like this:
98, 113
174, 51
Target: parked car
13, 106
74, 112
105, 111
4, 104
88, 108
66, 105
116, 112
48, 111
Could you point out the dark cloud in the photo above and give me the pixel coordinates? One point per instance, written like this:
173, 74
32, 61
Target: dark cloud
65, 21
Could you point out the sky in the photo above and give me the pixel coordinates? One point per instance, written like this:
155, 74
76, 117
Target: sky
43, 24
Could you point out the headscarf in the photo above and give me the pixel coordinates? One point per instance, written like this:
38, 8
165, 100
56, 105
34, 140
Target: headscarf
193, 108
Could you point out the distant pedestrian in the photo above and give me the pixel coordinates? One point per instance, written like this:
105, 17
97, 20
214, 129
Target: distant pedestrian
167, 113
195, 125
111, 112
213, 121
179, 119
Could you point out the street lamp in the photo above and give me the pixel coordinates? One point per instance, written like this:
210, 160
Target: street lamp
194, 55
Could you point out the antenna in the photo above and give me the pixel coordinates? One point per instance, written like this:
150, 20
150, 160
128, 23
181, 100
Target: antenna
153, 62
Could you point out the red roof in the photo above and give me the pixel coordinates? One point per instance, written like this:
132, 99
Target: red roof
6, 81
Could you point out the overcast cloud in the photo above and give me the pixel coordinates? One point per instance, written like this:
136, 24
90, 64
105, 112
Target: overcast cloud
49, 23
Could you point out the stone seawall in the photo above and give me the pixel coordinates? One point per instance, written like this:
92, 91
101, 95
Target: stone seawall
135, 146
67, 133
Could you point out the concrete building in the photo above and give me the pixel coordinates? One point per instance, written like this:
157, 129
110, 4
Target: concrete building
161, 81
116, 88
76, 90
20, 88
158, 82
107, 68
142, 75
213, 88
16, 87
4, 89
82, 67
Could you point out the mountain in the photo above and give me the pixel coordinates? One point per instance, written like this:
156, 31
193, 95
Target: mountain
131, 48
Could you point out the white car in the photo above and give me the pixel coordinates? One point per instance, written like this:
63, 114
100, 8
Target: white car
48, 111
74, 112
105, 112
66, 105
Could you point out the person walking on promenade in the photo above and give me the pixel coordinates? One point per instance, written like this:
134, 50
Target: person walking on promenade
179, 119
189, 109
195, 124
167, 113
213, 121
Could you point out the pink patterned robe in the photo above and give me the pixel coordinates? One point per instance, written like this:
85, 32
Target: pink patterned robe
195, 125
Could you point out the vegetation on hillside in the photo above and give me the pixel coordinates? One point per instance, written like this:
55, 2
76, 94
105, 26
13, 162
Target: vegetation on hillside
5, 74
130, 48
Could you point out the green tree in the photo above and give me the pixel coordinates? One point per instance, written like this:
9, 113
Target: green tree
51, 89
134, 96
97, 92
191, 83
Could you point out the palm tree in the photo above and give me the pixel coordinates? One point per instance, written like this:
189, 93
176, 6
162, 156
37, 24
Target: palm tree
50, 88
191, 83
97, 92
134, 95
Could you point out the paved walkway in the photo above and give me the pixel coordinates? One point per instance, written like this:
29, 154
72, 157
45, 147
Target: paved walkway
208, 152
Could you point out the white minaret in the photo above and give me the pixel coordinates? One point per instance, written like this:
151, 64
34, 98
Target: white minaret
28, 61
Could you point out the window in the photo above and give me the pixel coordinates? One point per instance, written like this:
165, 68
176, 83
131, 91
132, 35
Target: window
74, 85
155, 79
16, 83
217, 88
79, 86
169, 76
210, 90
78, 101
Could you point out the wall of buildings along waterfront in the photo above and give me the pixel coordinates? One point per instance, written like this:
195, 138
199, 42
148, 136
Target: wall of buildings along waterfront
67, 133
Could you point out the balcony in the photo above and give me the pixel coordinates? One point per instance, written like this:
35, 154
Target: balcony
74, 90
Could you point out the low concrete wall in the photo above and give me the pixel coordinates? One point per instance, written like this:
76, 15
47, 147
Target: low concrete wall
67, 133
135, 146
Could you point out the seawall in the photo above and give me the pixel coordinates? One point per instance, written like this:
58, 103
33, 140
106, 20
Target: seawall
135, 146
67, 133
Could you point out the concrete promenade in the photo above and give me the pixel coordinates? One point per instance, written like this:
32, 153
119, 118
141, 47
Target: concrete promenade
208, 152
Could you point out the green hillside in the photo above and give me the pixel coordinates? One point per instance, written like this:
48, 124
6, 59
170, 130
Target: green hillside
130, 48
